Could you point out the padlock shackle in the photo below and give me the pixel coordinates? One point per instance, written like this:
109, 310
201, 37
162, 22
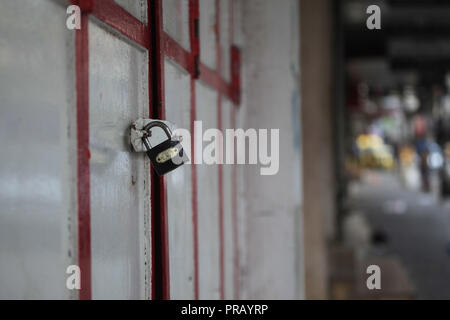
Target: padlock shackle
160, 124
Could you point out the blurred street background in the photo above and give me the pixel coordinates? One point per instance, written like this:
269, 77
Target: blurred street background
410, 225
393, 198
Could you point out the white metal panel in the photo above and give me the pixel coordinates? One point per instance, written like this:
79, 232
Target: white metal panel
238, 18
176, 21
240, 118
137, 8
208, 50
228, 206
179, 189
225, 32
208, 201
37, 149
119, 178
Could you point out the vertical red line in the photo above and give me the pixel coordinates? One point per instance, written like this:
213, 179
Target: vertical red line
83, 172
233, 177
194, 25
151, 97
195, 50
235, 75
220, 176
160, 241
234, 169
234, 216
162, 180
221, 218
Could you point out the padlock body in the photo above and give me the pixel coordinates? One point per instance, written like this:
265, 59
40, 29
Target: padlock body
167, 156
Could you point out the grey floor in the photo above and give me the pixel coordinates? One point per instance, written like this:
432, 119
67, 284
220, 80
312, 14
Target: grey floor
417, 230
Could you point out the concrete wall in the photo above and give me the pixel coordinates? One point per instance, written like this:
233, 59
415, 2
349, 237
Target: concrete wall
318, 178
273, 204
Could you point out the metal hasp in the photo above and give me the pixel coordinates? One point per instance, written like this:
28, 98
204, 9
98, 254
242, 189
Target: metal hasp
165, 156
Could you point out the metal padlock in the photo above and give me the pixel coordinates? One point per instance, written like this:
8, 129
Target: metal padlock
169, 154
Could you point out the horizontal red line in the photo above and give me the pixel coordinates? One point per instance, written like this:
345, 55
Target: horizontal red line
173, 50
212, 78
121, 20
176, 52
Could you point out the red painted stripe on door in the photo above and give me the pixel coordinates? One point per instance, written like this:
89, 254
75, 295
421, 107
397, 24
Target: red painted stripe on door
151, 98
83, 171
235, 75
220, 177
234, 216
110, 13
194, 33
213, 79
235, 72
176, 52
221, 217
173, 50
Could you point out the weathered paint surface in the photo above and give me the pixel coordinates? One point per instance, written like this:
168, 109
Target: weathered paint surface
119, 178
224, 38
208, 53
208, 201
176, 21
210, 236
228, 189
38, 156
137, 8
179, 189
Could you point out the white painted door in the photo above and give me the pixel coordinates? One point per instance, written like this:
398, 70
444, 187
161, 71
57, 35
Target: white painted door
72, 191
197, 41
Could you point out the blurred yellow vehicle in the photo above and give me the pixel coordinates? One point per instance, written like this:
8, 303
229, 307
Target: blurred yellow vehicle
407, 155
374, 153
